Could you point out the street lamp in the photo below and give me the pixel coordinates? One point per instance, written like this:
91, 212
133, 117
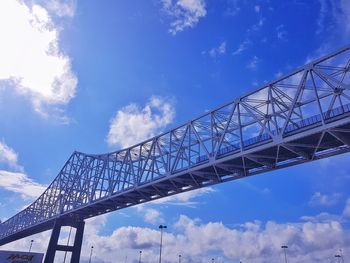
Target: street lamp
212, 260
31, 244
284, 247
179, 258
92, 248
140, 256
341, 255
161, 227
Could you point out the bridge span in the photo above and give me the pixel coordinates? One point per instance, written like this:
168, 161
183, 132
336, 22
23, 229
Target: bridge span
300, 117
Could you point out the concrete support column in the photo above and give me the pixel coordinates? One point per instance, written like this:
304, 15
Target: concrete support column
54, 246
51, 250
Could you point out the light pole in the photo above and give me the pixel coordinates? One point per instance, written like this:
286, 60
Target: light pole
212, 260
179, 258
341, 255
140, 256
92, 248
284, 247
31, 244
161, 227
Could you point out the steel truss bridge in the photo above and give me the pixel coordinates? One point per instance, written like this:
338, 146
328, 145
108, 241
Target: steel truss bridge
298, 118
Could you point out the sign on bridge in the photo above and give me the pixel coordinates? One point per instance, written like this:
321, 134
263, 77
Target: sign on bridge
20, 257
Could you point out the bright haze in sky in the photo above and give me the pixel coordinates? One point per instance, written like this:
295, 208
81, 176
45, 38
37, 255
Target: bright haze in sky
98, 76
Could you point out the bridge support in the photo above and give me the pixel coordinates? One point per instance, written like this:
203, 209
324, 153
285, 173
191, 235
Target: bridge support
54, 246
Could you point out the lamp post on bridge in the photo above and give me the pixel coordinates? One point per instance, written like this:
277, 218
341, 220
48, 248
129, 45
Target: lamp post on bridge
140, 256
180, 258
31, 244
161, 227
284, 247
339, 256
92, 248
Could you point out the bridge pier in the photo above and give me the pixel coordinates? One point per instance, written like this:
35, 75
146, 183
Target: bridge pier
54, 246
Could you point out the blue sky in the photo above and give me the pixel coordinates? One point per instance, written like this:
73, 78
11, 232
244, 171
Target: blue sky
96, 76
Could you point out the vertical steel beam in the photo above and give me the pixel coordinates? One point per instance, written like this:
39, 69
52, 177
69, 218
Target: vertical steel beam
54, 246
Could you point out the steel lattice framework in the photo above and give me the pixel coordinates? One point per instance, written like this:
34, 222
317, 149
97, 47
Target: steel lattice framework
300, 117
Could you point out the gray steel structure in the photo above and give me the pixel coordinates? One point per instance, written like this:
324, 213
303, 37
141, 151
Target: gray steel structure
301, 117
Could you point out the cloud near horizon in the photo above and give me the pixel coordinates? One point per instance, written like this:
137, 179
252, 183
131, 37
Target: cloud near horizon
196, 241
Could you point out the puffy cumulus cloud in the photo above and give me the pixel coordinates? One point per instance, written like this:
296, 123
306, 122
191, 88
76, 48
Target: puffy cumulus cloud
153, 216
150, 215
133, 124
31, 60
252, 242
195, 241
324, 199
20, 183
258, 242
186, 13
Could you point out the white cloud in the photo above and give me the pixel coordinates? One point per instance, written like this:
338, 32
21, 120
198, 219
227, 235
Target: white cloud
322, 15
252, 241
281, 33
324, 199
345, 10
20, 183
8, 156
186, 13
217, 51
154, 216
258, 25
346, 211
150, 215
186, 198
322, 217
243, 46
61, 7
195, 240
333, 13
253, 63
334, 22
17, 182
133, 124
31, 60
257, 8
278, 74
